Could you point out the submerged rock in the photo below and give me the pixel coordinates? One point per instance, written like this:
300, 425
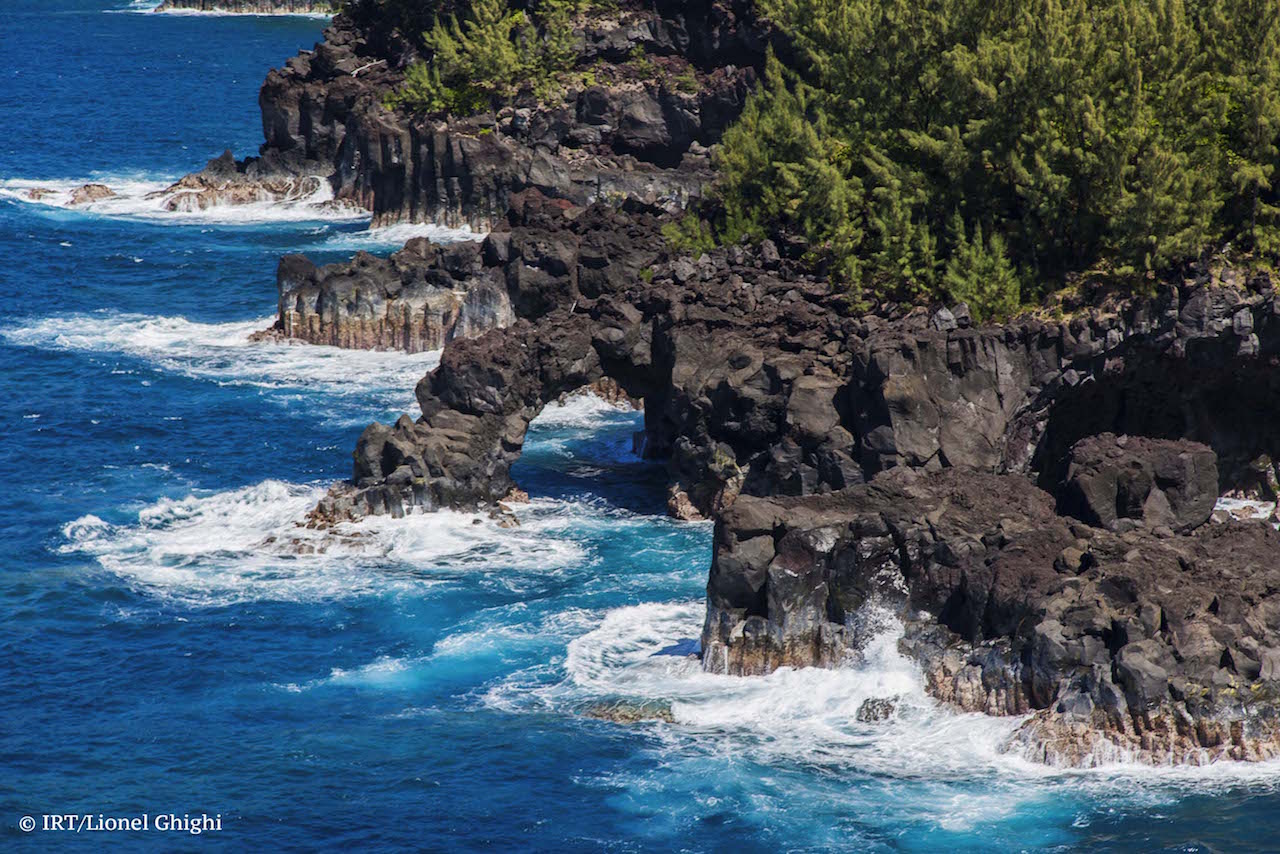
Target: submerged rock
629, 712
876, 709
84, 195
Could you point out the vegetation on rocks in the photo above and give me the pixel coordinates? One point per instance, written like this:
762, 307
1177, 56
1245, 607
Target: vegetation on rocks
961, 149
484, 55
970, 147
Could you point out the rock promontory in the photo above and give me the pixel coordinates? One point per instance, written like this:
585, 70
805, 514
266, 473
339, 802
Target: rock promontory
251, 7
654, 86
1032, 500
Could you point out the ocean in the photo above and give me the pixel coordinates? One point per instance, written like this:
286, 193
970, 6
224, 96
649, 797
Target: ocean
175, 644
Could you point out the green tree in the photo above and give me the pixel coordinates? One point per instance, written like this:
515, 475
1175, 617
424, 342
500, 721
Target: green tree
980, 274
485, 57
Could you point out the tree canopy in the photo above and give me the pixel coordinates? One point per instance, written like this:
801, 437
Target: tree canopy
977, 148
485, 54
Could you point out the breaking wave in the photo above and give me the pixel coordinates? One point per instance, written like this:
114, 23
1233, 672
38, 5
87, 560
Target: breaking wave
391, 237
223, 353
639, 657
249, 544
144, 198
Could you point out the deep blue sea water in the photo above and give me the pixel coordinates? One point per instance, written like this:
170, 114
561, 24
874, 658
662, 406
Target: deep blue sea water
172, 642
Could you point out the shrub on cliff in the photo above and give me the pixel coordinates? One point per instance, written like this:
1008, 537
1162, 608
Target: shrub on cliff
488, 54
1059, 134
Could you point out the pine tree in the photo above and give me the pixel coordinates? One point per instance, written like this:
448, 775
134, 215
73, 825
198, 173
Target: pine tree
979, 273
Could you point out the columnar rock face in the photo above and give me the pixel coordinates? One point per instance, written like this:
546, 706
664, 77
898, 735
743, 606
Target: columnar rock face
1142, 645
660, 83
417, 300
251, 7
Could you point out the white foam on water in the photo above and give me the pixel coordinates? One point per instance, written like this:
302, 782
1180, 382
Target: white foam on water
585, 411
386, 671
1247, 509
149, 6
223, 353
248, 544
228, 13
143, 198
807, 718
393, 237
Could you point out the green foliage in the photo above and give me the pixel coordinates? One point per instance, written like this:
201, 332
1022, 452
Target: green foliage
980, 274
1071, 133
690, 235
485, 57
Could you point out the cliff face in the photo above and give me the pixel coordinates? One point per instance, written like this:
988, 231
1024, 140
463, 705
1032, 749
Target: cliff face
670, 77
417, 300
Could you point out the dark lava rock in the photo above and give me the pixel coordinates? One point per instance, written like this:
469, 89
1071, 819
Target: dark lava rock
1152, 481
1160, 649
641, 130
758, 381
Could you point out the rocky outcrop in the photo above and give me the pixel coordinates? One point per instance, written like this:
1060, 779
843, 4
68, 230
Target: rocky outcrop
417, 300
1141, 645
656, 84
88, 194
1118, 482
251, 7
224, 181
758, 380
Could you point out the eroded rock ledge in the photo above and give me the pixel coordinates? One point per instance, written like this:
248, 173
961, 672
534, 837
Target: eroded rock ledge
417, 300
1138, 643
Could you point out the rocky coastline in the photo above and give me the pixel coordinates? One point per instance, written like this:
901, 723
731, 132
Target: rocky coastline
657, 85
1033, 501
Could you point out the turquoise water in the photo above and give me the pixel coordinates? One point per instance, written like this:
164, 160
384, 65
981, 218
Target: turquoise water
172, 642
